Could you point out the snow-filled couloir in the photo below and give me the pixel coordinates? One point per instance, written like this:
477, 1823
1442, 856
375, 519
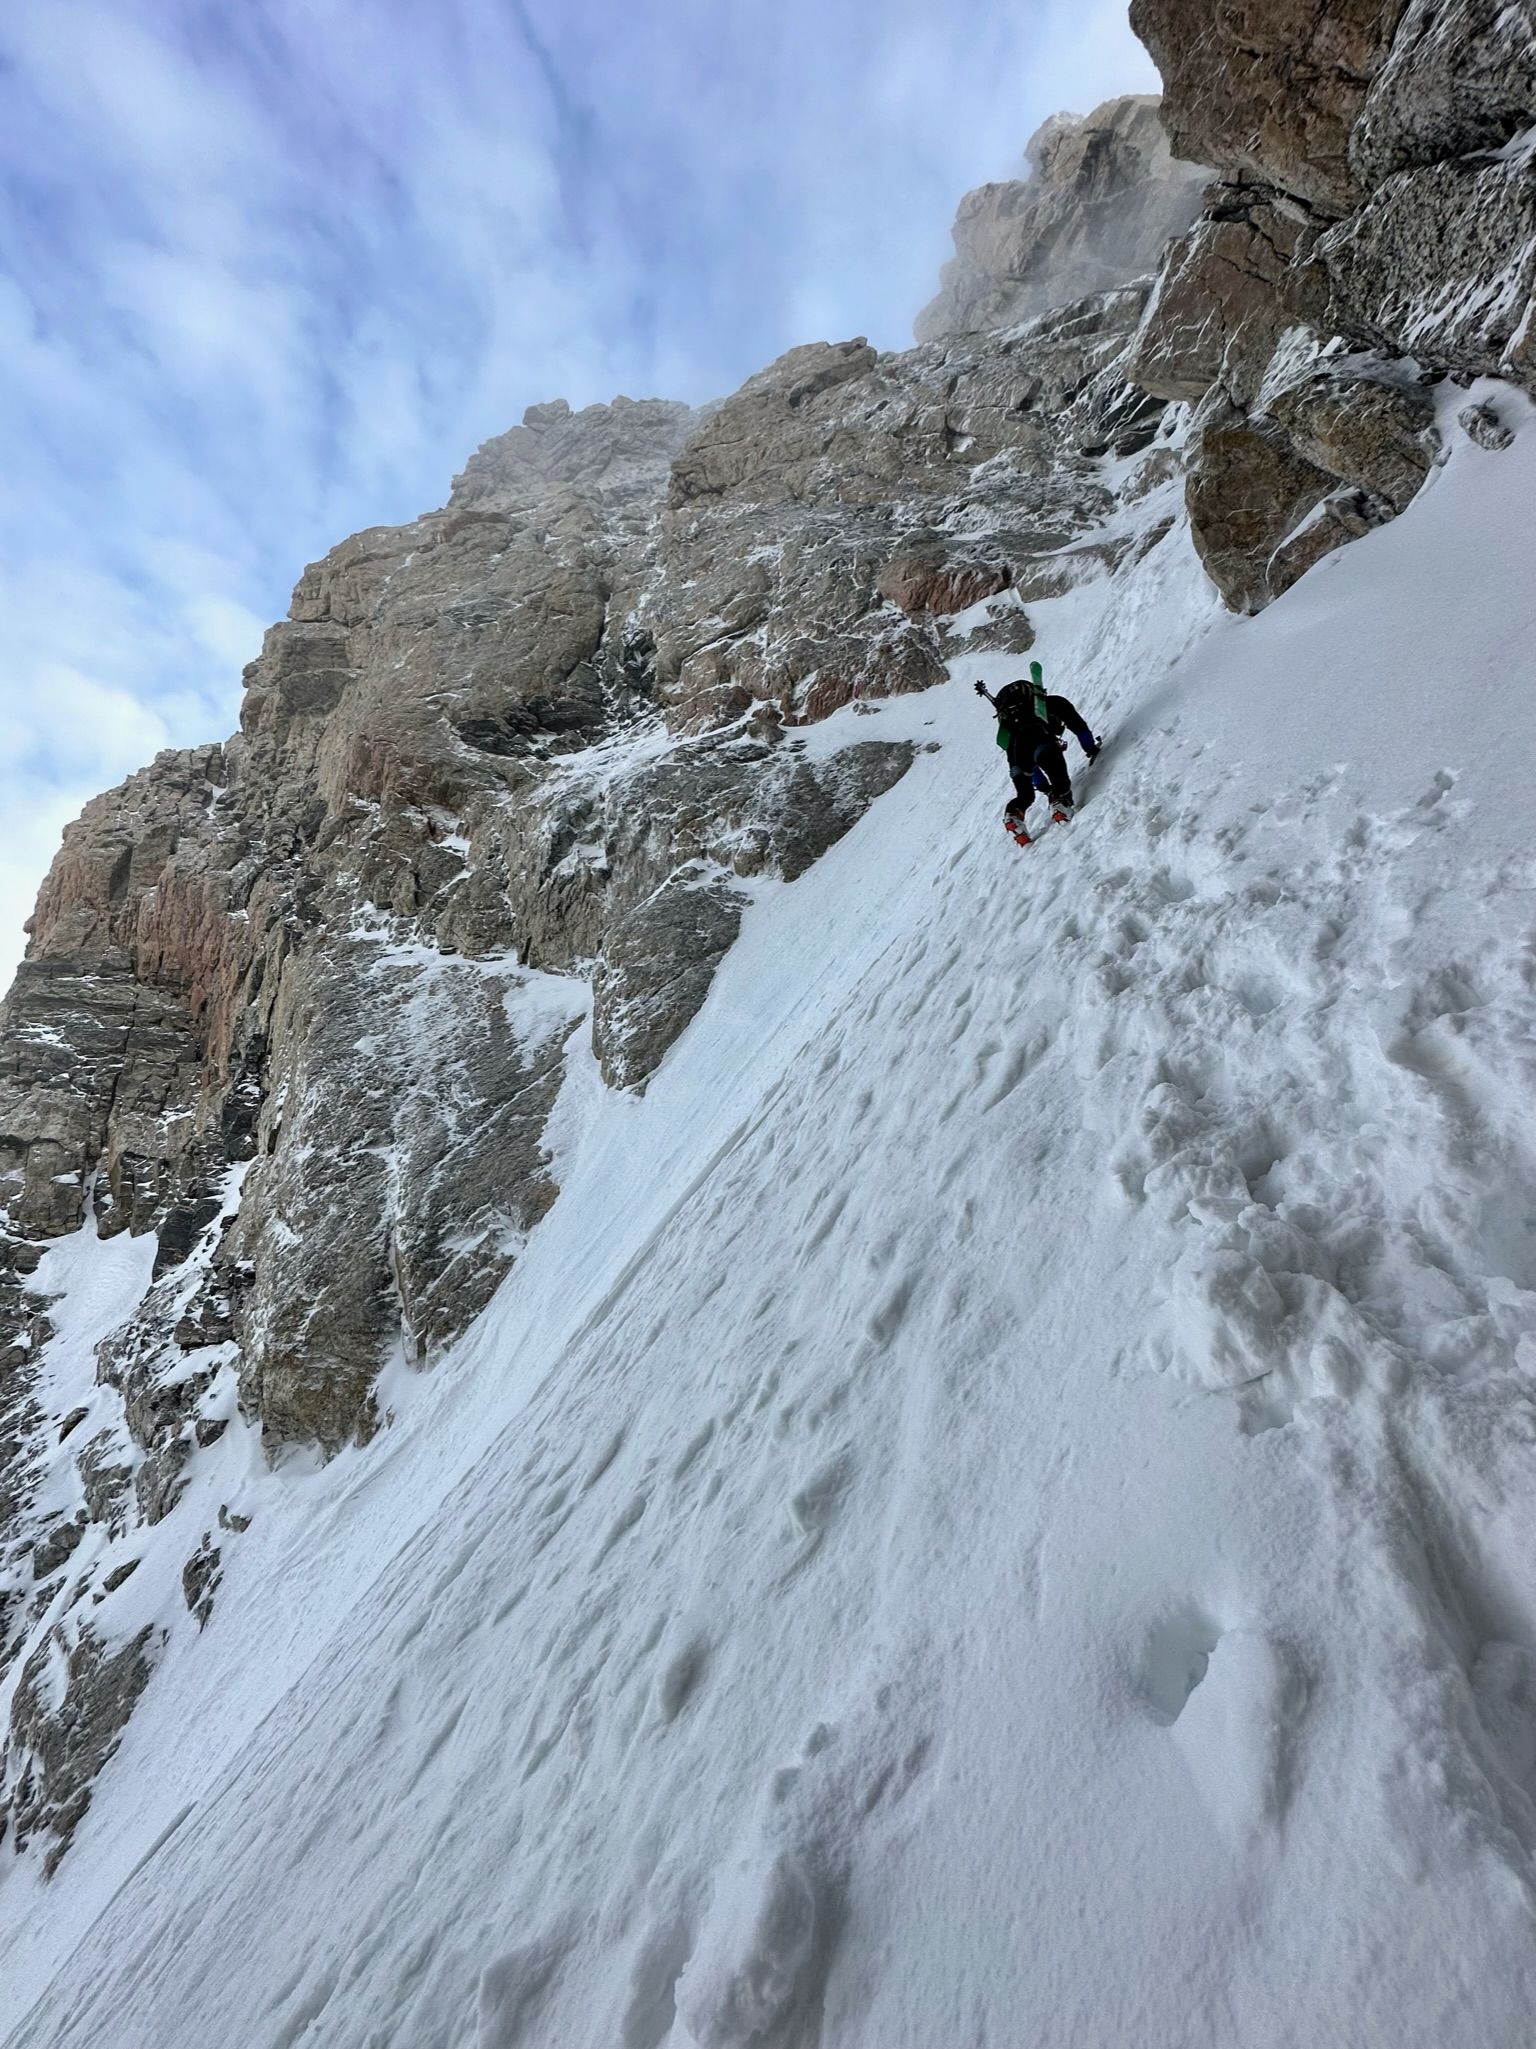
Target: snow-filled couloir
656, 1392
995, 1508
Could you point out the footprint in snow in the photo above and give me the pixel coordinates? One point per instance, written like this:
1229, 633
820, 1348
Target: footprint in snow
1175, 1660
680, 1678
651, 2005
814, 1505
1232, 1702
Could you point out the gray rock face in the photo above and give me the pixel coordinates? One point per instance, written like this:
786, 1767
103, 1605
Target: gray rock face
1460, 76
1364, 240
1440, 264
614, 451
1269, 89
24, 1331
403, 1169
200, 1578
657, 970
1369, 430
1228, 293
826, 517
1103, 196
70, 1707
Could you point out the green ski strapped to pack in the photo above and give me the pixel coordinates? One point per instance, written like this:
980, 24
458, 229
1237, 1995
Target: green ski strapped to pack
1037, 685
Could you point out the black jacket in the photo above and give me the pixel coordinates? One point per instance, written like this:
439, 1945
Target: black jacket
1015, 707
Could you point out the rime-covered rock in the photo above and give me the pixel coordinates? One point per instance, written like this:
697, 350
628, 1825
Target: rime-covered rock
1227, 295
1376, 226
1460, 76
1485, 427
798, 513
1373, 431
656, 971
71, 1704
1440, 264
1103, 196
1269, 89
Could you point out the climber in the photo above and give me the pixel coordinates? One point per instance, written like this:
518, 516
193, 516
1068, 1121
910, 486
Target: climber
1030, 725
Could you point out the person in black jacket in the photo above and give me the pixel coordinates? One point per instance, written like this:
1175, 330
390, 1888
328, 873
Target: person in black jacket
1030, 723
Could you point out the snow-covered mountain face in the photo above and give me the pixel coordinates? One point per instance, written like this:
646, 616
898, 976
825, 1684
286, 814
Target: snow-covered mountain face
298, 1010
975, 1474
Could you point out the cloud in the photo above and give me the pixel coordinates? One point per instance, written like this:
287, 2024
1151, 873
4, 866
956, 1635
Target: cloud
271, 272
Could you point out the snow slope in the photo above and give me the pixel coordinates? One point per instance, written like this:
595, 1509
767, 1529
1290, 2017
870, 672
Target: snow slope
997, 1508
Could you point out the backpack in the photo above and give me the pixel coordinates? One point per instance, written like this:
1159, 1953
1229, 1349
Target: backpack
1016, 703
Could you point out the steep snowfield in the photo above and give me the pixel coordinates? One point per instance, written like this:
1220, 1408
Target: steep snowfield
997, 1509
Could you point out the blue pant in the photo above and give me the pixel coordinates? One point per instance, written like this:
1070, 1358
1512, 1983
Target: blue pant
1044, 767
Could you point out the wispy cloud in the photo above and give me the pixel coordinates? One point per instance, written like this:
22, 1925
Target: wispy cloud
268, 273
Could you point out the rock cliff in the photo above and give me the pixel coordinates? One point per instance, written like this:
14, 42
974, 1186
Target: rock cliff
1104, 194
1373, 231
299, 1008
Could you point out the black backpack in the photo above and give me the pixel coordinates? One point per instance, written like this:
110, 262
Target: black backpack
1016, 704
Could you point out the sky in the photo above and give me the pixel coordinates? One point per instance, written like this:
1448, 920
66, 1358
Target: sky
269, 273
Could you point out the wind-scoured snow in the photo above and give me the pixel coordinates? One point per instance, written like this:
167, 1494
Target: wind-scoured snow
997, 1507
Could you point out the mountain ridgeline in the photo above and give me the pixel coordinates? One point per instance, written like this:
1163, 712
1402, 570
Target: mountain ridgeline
298, 1008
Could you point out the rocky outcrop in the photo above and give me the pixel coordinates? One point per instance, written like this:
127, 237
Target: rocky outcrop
1269, 89
1459, 76
1371, 234
72, 1702
1103, 196
827, 519
1440, 264
1227, 294
1359, 425
396, 1187
1483, 425
1264, 486
1247, 490
936, 576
